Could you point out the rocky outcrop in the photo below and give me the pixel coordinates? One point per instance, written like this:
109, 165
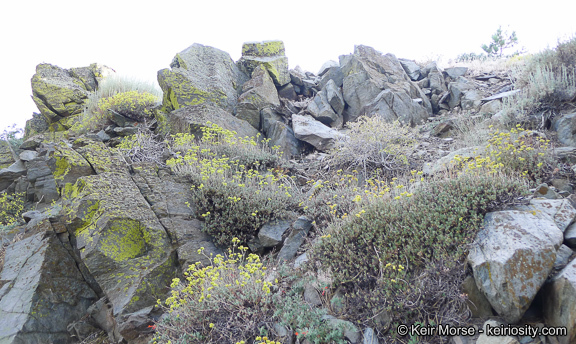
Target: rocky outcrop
60, 93
43, 291
268, 54
200, 75
367, 73
560, 302
259, 93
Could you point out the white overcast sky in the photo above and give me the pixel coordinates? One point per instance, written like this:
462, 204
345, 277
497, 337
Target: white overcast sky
138, 38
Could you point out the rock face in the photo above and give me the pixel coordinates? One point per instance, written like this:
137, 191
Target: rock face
259, 93
513, 256
119, 239
268, 54
199, 75
192, 118
565, 126
367, 73
560, 302
43, 291
60, 93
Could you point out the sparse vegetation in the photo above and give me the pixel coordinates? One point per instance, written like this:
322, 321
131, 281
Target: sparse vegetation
500, 41
13, 134
11, 208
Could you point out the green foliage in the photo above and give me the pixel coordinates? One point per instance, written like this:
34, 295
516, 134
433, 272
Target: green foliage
11, 208
14, 135
547, 81
127, 96
225, 302
500, 41
378, 255
471, 57
131, 104
375, 143
235, 193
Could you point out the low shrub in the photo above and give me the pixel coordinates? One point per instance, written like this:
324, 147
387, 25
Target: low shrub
235, 194
132, 104
372, 143
144, 146
229, 301
378, 255
11, 208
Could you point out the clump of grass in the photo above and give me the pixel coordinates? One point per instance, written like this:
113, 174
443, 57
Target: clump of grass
144, 146
373, 143
127, 96
378, 255
235, 194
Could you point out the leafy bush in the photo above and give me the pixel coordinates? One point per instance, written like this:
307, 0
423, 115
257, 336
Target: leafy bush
226, 302
517, 151
234, 193
500, 41
378, 255
374, 143
11, 208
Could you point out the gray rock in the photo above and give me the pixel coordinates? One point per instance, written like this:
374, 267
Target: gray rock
267, 117
485, 339
270, 55
471, 100
33, 214
32, 143
559, 300
43, 291
334, 97
311, 296
562, 256
544, 191
28, 155
271, 233
565, 126
370, 336
570, 236
512, 257
297, 76
193, 118
126, 131
436, 82
368, 73
477, 303
259, 93
411, 68
301, 259
282, 135
455, 72
501, 95
397, 106
46, 190
307, 129
335, 74
491, 107
299, 231
287, 91
10, 174
199, 75
457, 89
326, 66
442, 129
560, 211
321, 110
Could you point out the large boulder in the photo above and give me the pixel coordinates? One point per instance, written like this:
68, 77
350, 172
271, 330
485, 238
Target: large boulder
565, 126
60, 93
270, 55
198, 75
259, 93
10, 174
282, 136
307, 129
559, 297
321, 110
411, 68
458, 89
367, 73
192, 118
397, 106
512, 257
43, 291
120, 240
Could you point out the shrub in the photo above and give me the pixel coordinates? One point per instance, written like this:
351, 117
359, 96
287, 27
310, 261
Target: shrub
374, 143
127, 96
234, 194
11, 208
227, 302
500, 41
517, 151
378, 255
14, 136
143, 146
